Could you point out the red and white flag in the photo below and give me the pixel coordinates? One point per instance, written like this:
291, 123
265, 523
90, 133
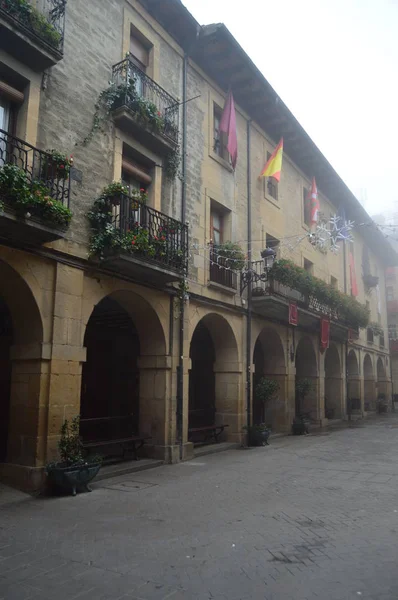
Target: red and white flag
325, 333
313, 201
293, 313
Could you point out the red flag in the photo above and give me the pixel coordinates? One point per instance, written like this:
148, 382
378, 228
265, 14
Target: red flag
312, 199
293, 314
325, 330
353, 277
228, 126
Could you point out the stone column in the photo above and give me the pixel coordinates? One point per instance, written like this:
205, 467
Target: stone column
155, 405
321, 396
229, 399
67, 353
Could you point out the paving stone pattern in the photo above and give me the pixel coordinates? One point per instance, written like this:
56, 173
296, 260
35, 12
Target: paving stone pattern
307, 517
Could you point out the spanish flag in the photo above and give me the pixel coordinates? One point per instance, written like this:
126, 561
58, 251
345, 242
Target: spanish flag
273, 166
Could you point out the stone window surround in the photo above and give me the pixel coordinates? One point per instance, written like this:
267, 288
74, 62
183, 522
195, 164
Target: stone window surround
155, 188
215, 100
27, 113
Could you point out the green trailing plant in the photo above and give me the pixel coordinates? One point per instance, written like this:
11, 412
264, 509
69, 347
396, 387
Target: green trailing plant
127, 93
376, 328
30, 17
172, 164
31, 199
346, 307
233, 253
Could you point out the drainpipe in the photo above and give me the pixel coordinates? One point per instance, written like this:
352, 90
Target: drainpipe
249, 288
180, 368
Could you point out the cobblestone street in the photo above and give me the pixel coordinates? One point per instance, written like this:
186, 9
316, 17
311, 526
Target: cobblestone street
307, 517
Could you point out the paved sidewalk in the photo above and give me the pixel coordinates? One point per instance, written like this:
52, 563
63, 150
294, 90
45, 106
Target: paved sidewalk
307, 517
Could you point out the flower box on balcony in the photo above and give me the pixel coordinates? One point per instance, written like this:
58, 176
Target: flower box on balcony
135, 239
33, 34
34, 203
140, 104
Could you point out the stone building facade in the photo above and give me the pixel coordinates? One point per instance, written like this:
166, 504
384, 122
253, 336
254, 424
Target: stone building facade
118, 335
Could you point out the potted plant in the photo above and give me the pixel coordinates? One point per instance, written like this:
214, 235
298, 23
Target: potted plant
301, 421
56, 165
233, 255
138, 197
257, 435
382, 403
113, 192
73, 472
265, 391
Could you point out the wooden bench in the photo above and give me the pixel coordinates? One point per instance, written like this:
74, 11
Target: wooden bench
100, 435
209, 432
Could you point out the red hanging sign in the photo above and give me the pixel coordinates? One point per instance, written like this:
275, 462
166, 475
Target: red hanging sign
325, 332
293, 313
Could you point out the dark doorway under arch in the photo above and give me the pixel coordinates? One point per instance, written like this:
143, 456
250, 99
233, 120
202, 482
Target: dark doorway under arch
6, 340
110, 377
202, 395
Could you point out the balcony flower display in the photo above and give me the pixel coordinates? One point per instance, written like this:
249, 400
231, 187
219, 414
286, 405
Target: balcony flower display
345, 307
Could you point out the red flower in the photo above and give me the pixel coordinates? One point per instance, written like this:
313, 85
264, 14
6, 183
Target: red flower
133, 242
142, 190
62, 166
159, 115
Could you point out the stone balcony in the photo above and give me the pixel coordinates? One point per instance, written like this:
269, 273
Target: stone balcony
33, 32
144, 108
34, 194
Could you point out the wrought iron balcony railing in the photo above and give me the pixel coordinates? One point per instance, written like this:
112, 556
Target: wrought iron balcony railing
41, 19
150, 234
262, 285
150, 102
37, 166
220, 271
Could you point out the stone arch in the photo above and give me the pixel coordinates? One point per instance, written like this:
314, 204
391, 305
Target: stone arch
333, 383
270, 362
353, 383
369, 384
381, 372
126, 373
214, 377
306, 368
21, 339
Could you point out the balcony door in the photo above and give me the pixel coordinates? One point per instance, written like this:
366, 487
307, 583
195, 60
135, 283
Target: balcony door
4, 126
139, 57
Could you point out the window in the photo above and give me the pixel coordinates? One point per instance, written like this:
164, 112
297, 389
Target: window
271, 185
4, 114
219, 137
216, 227
306, 207
308, 266
334, 283
390, 293
139, 52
